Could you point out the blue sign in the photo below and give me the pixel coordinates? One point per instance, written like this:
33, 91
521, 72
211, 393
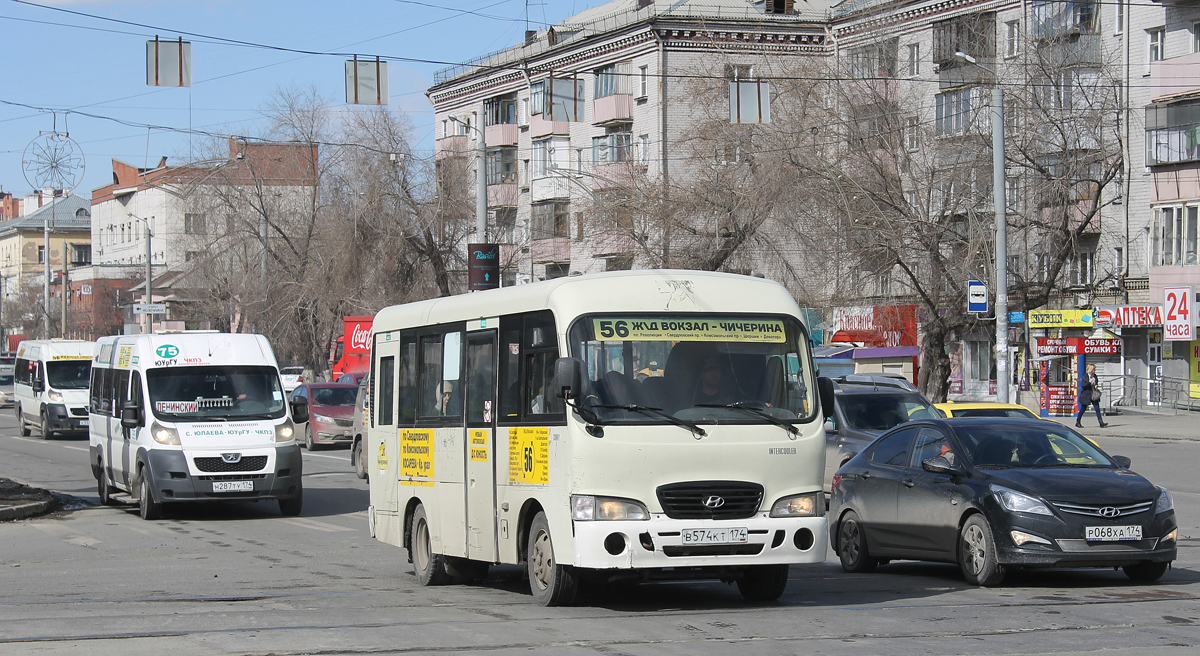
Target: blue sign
1016, 317
977, 297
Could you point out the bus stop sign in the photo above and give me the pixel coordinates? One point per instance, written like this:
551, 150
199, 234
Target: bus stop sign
977, 297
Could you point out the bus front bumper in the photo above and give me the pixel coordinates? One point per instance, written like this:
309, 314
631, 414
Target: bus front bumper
662, 542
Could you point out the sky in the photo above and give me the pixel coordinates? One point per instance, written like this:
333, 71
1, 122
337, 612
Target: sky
94, 62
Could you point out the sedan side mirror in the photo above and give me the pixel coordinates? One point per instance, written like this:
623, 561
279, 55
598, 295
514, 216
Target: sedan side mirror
830, 427
131, 415
939, 465
568, 378
1122, 461
300, 410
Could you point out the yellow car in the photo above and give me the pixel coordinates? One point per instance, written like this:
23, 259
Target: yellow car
952, 409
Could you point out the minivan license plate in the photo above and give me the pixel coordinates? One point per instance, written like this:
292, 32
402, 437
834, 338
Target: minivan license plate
233, 486
713, 535
1112, 533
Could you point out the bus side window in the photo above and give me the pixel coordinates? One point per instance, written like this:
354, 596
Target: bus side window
431, 375
120, 390
135, 388
452, 392
106, 392
407, 380
541, 351
387, 390
21, 371
510, 368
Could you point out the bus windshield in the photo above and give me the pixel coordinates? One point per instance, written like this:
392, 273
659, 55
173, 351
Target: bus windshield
700, 368
215, 392
69, 374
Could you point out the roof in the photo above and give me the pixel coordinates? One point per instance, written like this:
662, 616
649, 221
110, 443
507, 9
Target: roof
617, 14
63, 213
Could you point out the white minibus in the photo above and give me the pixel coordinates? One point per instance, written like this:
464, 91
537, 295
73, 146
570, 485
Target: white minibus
50, 385
192, 416
511, 426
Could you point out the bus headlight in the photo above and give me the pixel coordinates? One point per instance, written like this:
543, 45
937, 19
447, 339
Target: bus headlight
285, 432
55, 397
163, 434
588, 508
800, 505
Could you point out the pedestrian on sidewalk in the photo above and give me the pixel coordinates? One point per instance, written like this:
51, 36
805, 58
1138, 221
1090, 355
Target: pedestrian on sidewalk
1089, 394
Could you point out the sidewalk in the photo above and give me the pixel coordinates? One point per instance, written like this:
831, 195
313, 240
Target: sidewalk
19, 501
1147, 425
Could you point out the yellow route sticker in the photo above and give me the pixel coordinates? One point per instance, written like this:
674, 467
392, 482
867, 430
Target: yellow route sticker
682, 329
479, 446
382, 461
123, 357
529, 455
416, 456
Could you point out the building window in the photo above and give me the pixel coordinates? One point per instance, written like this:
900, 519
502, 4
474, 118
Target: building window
643, 81
41, 254
550, 219
749, 97
1119, 260
952, 112
500, 111
980, 361
559, 99
193, 224
1173, 239
1154, 40
612, 80
537, 97
1083, 269
614, 147
912, 133
81, 254
883, 283
643, 152
1119, 17
1195, 37
543, 158
779, 7
613, 211
502, 165
913, 65
1054, 18
506, 225
1012, 38
974, 34
874, 60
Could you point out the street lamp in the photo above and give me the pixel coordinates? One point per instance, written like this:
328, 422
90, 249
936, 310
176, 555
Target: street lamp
1001, 229
480, 181
148, 298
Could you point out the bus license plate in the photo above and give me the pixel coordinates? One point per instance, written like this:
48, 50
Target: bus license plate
713, 535
233, 486
1112, 533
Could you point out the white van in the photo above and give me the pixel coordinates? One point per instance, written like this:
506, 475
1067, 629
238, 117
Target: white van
192, 417
50, 386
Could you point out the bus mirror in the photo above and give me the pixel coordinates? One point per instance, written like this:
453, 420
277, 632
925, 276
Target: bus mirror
568, 377
38, 385
131, 415
825, 391
300, 410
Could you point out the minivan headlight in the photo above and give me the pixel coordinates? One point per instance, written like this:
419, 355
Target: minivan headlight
1164, 501
800, 505
163, 434
1014, 501
285, 432
586, 508
55, 397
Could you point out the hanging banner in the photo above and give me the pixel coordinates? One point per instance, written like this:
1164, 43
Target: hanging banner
1060, 319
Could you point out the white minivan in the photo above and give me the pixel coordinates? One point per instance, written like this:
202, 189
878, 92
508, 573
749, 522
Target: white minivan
192, 416
50, 386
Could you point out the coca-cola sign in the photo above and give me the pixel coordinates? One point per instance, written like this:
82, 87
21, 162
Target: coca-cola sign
356, 334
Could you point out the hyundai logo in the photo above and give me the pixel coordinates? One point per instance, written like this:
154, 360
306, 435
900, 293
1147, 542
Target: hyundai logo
231, 457
714, 502
1109, 512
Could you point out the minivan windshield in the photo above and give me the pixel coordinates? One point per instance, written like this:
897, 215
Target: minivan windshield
880, 411
69, 374
699, 368
215, 392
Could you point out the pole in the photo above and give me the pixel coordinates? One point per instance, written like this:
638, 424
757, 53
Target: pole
46, 269
481, 188
149, 298
1002, 378
63, 319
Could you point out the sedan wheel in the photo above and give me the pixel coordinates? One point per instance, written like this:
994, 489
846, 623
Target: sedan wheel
977, 553
1146, 572
852, 545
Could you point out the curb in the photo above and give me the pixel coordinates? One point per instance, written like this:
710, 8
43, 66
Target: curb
25, 510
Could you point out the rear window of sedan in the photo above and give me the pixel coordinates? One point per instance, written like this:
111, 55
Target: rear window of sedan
1016, 413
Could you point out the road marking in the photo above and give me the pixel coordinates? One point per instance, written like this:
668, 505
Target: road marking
321, 455
67, 535
317, 525
325, 475
74, 448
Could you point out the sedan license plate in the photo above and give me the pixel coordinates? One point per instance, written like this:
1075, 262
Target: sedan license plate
1112, 533
713, 535
233, 486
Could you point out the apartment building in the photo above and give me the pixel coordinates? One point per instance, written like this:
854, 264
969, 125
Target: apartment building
582, 112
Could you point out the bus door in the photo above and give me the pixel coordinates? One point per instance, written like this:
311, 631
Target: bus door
481, 408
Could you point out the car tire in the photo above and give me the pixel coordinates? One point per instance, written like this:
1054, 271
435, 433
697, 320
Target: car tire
977, 553
360, 467
552, 584
429, 567
25, 430
308, 439
103, 489
45, 428
763, 582
1146, 572
148, 508
852, 545
291, 507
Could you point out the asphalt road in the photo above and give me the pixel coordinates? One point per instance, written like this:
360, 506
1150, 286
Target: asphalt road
241, 579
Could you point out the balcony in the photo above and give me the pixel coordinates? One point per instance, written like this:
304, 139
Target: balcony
455, 146
540, 127
502, 195
504, 134
1174, 182
617, 108
549, 187
607, 244
618, 174
1175, 76
554, 249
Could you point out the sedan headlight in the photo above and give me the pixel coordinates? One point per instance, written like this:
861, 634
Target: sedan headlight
163, 434
56, 397
586, 508
322, 419
284, 432
1164, 501
1014, 501
800, 505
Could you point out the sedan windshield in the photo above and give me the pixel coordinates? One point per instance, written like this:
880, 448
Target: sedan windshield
215, 392
880, 412
69, 374
334, 395
695, 368
1019, 446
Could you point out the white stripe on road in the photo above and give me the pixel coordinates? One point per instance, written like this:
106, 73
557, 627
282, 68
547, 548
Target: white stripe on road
321, 455
316, 525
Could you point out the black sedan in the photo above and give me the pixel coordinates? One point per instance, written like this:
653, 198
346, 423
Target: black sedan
995, 494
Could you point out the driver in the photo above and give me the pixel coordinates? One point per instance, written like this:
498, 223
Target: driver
709, 390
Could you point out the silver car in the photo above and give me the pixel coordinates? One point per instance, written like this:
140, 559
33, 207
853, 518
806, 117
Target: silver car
6, 387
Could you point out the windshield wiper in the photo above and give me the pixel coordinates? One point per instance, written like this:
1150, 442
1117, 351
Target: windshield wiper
656, 412
759, 412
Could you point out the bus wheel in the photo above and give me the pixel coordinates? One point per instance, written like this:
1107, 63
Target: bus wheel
763, 582
360, 467
46, 432
25, 432
291, 507
429, 567
148, 508
103, 489
552, 584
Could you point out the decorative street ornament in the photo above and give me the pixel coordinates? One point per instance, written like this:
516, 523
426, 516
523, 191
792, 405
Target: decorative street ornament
53, 161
